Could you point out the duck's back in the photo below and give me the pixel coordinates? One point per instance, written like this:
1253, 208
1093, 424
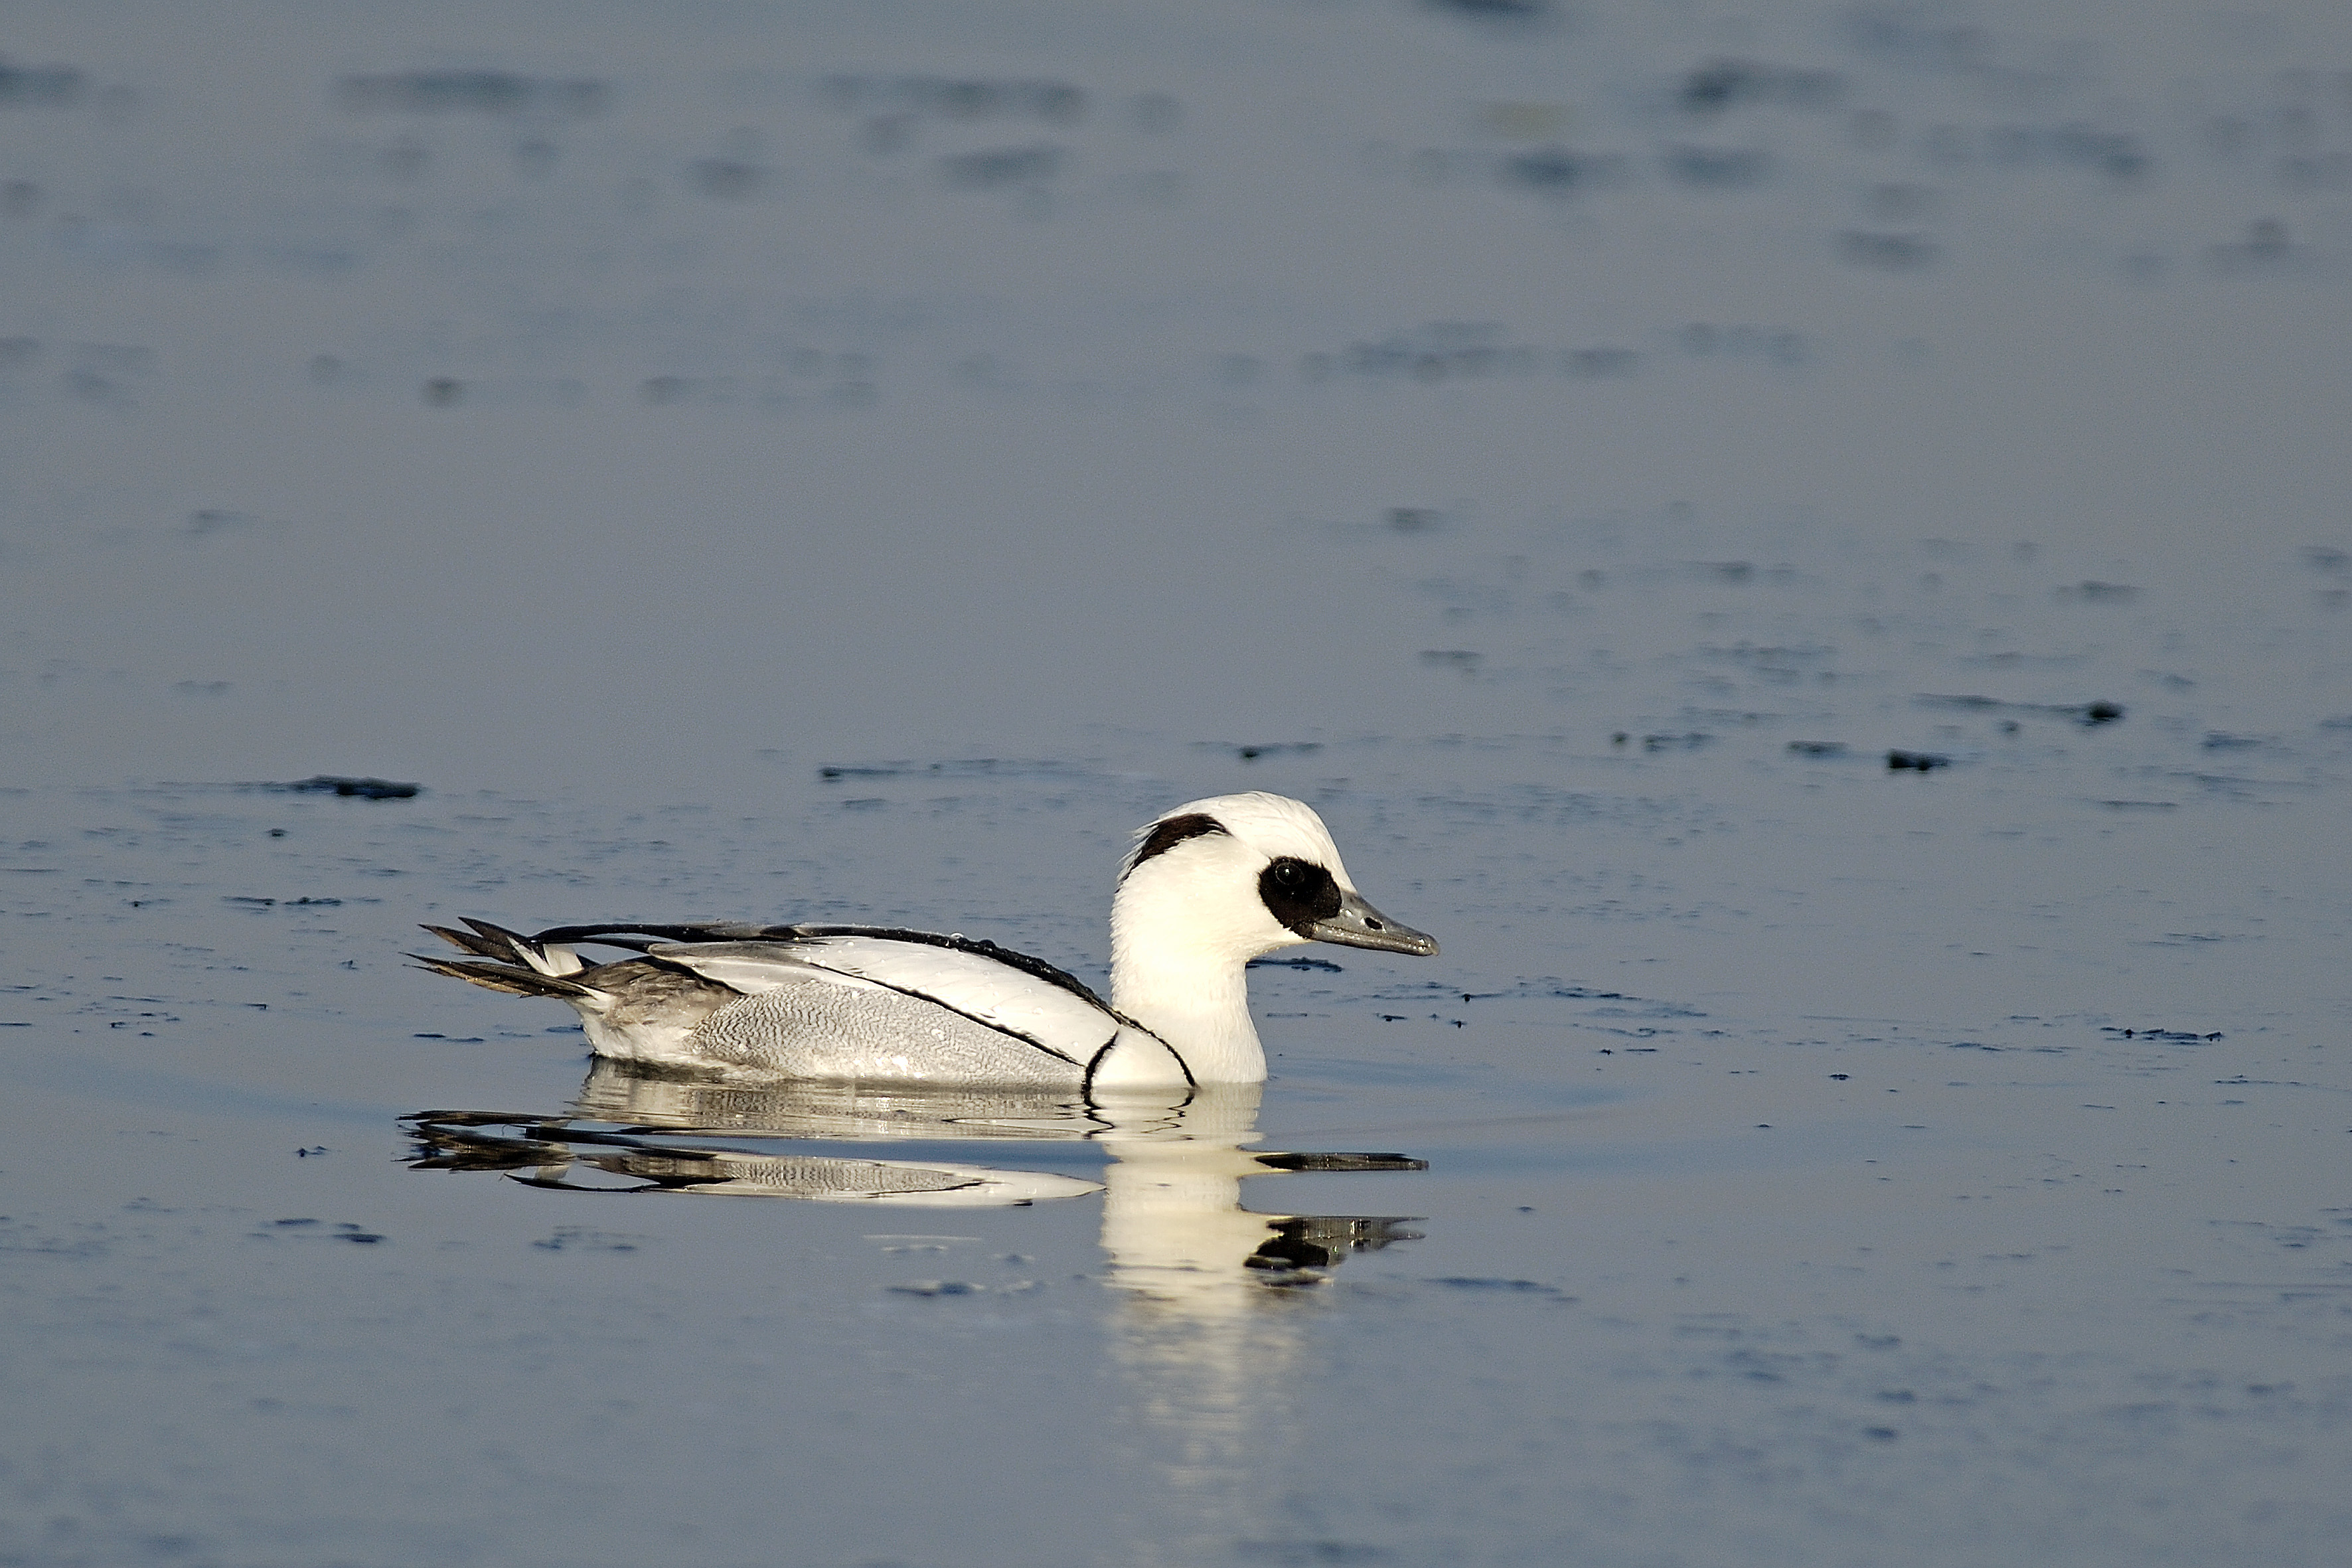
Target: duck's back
867, 1004
861, 1003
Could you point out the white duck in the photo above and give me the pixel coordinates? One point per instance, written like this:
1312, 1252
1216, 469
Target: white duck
1208, 887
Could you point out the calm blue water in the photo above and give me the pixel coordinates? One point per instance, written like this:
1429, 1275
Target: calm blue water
853, 465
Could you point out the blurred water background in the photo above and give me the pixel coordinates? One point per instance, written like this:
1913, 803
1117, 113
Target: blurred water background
1806, 543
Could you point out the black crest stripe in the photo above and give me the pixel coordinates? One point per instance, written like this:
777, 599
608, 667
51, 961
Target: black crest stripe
1167, 834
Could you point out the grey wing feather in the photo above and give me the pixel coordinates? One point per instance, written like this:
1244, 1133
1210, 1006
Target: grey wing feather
832, 1029
991, 992
860, 1004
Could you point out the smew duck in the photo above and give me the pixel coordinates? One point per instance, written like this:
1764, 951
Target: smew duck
1205, 889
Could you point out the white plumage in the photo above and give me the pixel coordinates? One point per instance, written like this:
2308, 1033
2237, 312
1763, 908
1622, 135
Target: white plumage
1206, 887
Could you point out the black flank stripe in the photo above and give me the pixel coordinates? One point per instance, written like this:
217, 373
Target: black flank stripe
1095, 1061
926, 996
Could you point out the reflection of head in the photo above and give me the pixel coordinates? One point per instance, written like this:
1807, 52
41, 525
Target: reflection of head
1208, 1329
1173, 1225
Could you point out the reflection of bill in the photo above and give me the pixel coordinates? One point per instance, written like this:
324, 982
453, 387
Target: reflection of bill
1173, 1222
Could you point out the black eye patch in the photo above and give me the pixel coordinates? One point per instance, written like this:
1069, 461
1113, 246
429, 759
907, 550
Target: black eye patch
1298, 892
1166, 836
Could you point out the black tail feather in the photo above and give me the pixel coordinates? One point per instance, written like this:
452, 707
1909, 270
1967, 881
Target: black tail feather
519, 980
505, 944
467, 942
701, 931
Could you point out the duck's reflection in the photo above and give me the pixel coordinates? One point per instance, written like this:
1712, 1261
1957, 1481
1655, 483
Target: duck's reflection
1173, 1225
1207, 1324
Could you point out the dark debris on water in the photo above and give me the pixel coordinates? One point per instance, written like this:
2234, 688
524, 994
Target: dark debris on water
347, 787
343, 1230
953, 767
1504, 1286
1726, 84
492, 92
2084, 713
45, 87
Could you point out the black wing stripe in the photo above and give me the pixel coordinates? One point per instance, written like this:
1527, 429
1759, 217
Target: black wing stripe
1026, 1039
707, 931
631, 936
1035, 968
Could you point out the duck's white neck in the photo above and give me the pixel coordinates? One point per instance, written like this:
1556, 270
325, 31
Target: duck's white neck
1183, 975
1199, 1004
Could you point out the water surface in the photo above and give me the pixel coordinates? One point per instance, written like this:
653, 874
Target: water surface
1806, 549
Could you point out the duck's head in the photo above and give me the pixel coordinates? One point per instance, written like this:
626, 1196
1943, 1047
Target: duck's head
1236, 875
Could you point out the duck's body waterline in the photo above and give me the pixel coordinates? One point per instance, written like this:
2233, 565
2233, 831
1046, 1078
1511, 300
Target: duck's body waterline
1208, 887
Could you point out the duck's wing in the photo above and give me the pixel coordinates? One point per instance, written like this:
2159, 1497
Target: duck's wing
974, 985
994, 987
1011, 993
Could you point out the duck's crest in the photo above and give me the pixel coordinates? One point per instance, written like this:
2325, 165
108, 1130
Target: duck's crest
1166, 834
1273, 824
